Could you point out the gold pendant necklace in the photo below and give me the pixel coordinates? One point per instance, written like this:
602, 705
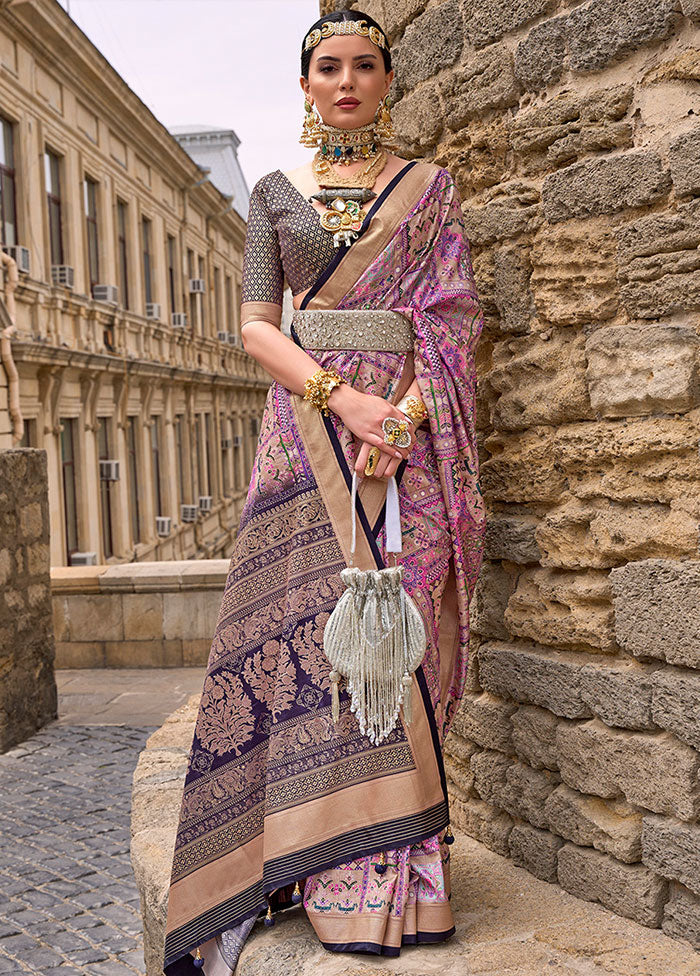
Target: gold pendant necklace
344, 214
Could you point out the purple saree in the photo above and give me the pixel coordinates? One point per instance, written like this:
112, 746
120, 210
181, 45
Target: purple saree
275, 792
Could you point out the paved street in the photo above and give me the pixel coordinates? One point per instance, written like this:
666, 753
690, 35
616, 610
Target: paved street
68, 903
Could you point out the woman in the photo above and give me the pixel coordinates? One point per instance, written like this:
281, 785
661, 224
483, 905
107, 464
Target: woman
286, 797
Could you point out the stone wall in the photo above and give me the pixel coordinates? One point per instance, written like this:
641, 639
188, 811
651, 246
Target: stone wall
27, 686
137, 615
572, 131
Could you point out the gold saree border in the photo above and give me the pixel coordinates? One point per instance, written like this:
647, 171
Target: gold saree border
382, 227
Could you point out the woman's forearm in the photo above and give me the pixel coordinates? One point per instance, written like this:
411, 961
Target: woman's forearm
278, 354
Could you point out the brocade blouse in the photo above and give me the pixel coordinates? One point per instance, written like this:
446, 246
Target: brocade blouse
284, 240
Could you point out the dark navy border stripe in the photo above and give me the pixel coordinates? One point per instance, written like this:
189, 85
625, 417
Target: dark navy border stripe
286, 870
420, 938
422, 684
337, 258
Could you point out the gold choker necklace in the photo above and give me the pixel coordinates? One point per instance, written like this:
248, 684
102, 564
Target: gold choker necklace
346, 146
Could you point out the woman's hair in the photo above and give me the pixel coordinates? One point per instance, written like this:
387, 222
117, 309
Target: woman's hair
337, 16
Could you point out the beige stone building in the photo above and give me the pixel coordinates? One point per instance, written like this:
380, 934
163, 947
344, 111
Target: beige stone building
130, 370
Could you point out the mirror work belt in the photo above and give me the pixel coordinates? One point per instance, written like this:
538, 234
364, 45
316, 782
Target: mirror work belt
369, 328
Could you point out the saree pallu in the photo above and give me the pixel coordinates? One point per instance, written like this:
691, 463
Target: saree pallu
276, 792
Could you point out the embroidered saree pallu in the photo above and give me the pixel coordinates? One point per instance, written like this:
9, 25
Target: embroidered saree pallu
281, 803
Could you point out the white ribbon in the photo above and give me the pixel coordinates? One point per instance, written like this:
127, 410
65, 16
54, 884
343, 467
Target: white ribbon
393, 515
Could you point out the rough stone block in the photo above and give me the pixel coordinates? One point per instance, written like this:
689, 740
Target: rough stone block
525, 791
627, 889
482, 82
485, 719
195, 652
512, 538
601, 533
511, 291
641, 460
573, 277
691, 9
672, 849
535, 850
190, 615
31, 521
643, 369
143, 615
493, 19
418, 118
658, 258
570, 125
676, 703
535, 675
655, 771
431, 42
489, 768
493, 588
682, 911
603, 186
483, 821
460, 778
534, 736
539, 380
619, 692
607, 30
539, 58
611, 826
521, 469
657, 609
571, 610
498, 221
684, 161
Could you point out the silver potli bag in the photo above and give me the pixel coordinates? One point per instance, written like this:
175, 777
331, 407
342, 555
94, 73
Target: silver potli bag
375, 636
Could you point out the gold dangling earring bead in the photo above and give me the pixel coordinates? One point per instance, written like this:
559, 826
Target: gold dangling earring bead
311, 133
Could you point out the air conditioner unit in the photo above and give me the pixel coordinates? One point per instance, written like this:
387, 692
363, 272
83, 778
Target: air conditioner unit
222, 336
226, 443
188, 513
106, 293
163, 523
197, 286
83, 559
109, 470
20, 255
235, 340
62, 274
237, 440
205, 503
178, 320
152, 310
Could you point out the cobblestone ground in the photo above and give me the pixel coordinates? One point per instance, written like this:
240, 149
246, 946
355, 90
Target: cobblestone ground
68, 902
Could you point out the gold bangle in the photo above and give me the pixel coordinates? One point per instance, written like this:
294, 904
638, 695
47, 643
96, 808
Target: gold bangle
413, 408
317, 388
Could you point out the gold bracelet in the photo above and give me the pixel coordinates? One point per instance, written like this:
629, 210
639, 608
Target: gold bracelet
317, 387
413, 408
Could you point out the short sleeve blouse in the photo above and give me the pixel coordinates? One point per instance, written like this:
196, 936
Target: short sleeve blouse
284, 240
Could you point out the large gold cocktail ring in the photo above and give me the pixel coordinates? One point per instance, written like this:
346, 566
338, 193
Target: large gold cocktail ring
396, 432
372, 459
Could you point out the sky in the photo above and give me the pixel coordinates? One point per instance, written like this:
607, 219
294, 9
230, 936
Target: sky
230, 64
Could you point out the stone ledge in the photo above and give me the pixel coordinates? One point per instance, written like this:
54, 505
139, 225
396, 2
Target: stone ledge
507, 920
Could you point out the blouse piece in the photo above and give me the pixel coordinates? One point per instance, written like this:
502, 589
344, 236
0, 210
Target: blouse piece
284, 239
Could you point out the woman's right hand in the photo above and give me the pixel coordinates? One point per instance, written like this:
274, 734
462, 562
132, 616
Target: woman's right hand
363, 414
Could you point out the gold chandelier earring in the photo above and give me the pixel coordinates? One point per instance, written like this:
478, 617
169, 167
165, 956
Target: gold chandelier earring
383, 126
311, 133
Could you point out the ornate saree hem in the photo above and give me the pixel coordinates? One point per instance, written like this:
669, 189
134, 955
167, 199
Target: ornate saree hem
375, 948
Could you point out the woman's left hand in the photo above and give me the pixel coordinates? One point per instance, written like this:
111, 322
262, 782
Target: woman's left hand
386, 465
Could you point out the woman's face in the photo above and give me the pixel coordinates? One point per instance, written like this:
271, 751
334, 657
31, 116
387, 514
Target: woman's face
346, 80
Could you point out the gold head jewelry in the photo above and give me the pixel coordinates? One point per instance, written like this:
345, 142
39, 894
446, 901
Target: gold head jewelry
358, 27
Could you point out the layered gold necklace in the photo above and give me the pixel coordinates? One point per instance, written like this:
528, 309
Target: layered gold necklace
345, 214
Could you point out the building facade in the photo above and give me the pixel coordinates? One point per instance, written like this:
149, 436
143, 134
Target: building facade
129, 362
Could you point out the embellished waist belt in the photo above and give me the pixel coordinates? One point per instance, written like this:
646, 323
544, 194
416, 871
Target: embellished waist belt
339, 328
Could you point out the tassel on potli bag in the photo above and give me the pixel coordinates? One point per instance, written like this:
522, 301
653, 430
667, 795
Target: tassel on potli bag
375, 636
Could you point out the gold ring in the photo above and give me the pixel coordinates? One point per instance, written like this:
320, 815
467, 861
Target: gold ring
372, 459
